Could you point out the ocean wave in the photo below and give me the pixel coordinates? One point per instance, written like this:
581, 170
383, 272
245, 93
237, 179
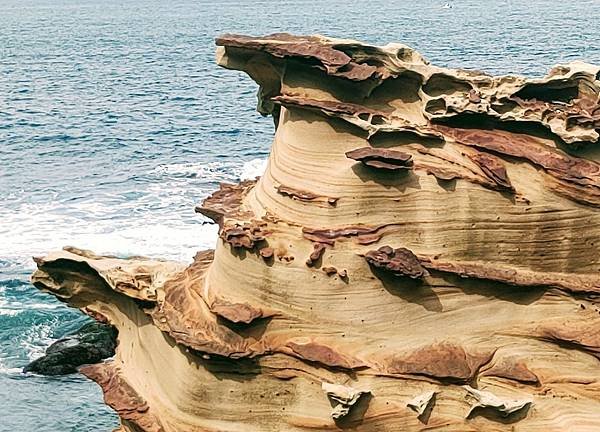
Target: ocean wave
131, 228
156, 221
10, 312
155, 237
253, 168
6, 370
211, 170
14, 308
6, 309
215, 171
37, 338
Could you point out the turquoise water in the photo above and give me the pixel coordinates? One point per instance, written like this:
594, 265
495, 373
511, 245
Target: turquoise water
115, 122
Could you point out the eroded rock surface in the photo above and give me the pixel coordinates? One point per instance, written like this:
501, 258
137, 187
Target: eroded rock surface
420, 234
421, 403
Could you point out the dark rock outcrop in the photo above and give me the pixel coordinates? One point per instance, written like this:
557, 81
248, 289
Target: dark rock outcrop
91, 344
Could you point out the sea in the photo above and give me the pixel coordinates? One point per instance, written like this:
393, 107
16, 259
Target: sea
115, 122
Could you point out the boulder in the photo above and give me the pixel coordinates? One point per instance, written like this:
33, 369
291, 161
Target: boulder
92, 343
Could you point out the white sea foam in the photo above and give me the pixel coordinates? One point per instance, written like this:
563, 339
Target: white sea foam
6, 370
9, 311
158, 222
211, 171
5, 308
37, 338
253, 168
217, 171
16, 307
35, 233
34, 341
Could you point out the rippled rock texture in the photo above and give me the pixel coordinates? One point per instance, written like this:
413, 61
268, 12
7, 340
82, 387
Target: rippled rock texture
420, 254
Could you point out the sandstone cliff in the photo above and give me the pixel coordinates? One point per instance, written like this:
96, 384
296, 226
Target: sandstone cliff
420, 254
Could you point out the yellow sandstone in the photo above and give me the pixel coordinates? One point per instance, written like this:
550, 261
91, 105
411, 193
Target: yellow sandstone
423, 241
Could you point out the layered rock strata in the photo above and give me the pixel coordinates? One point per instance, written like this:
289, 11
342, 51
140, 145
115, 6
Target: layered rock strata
420, 254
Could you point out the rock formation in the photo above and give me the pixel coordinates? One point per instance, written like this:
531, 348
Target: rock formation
92, 343
420, 254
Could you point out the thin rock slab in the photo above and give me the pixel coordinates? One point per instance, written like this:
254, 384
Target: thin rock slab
487, 400
344, 396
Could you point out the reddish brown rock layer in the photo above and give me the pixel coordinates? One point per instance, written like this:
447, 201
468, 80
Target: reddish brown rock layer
120, 396
399, 262
380, 158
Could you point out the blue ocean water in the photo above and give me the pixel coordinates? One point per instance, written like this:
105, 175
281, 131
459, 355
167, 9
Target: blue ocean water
115, 121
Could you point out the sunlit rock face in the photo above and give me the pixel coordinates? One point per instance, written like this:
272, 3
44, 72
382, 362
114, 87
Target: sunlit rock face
421, 253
